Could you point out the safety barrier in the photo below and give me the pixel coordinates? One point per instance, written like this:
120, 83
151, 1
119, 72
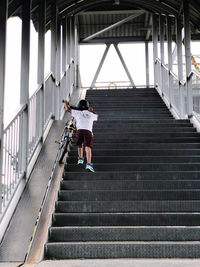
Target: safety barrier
176, 93
41, 110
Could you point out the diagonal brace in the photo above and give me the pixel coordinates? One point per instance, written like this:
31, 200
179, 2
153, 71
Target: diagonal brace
124, 65
113, 26
100, 65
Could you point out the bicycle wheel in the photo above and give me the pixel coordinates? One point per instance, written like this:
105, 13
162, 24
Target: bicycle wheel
63, 151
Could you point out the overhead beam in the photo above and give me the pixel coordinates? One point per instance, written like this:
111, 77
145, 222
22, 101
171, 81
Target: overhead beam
113, 26
111, 40
108, 12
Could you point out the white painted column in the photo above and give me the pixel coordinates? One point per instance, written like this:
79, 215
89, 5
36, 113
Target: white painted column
180, 66
3, 23
187, 34
24, 89
155, 47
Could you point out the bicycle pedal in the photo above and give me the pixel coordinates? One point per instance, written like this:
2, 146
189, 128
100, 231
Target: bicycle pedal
57, 142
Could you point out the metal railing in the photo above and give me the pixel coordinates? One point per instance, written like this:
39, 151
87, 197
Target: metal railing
174, 91
40, 113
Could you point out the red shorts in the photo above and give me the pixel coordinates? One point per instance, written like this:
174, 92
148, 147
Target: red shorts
84, 137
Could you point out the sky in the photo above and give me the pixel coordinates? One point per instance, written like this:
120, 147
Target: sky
90, 56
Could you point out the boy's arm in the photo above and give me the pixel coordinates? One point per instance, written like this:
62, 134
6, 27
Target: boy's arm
67, 106
91, 110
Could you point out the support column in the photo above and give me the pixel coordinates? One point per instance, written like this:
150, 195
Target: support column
3, 23
124, 65
24, 89
169, 46
162, 51
187, 33
68, 57
155, 48
58, 70
180, 66
53, 27
147, 62
100, 65
64, 52
72, 51
41, 61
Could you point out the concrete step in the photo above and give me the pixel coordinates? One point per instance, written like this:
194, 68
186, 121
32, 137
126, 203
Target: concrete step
143, 135
146, 145
140, 159
145, 130
121, 167
131, 233
129, 184
157, 122
99, 250
133, 175
106, 206
126, 219
137, 139
129, 195
139, 152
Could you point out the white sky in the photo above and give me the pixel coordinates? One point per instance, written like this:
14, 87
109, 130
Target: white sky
90, 56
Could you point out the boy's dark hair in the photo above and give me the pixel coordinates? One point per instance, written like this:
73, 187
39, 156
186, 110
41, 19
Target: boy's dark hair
83, 105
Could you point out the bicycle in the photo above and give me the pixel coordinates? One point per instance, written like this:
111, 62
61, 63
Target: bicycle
66, 139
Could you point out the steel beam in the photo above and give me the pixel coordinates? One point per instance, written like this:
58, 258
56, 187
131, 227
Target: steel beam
162, 50
113, 26
68, 56
180, 66
155, 47
147, 62
3, 23
100, 65
124, 65
58, 51
24, 89
41, 61
64, 43
187, 34
169, 48
53, 28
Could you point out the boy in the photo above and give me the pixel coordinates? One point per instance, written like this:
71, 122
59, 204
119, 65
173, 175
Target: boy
84, 117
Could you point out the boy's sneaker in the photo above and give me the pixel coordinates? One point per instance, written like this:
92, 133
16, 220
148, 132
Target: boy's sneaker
80, 160
89, 167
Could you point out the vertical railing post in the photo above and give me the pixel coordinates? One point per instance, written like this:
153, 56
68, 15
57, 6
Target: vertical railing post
76, 54
187, 34
155, 48
24, 89
169, 46
162, 51
147, 62
64, 55
53, 27
41, 59
68, 57
3, 23
58, 69
71, 54
180, 66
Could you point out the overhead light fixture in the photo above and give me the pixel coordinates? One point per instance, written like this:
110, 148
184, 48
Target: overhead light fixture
117, 2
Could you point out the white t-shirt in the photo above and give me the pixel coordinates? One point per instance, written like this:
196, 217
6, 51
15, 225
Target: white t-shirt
84, 119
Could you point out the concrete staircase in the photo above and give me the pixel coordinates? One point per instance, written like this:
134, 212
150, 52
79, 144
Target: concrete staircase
143, 201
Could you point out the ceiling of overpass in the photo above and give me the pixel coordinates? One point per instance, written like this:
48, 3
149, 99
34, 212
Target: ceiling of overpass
95, 15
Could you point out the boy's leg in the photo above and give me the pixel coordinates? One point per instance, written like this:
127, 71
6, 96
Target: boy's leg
80, 151
88, 154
